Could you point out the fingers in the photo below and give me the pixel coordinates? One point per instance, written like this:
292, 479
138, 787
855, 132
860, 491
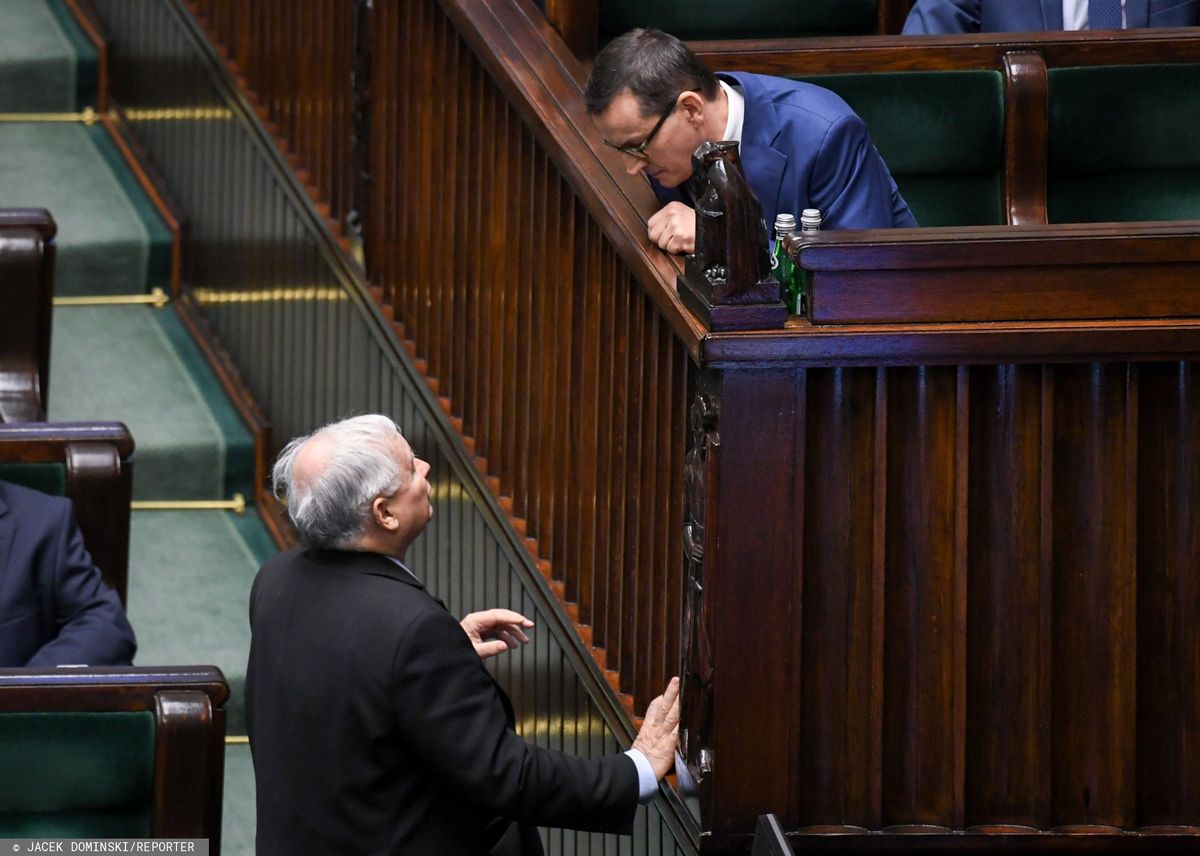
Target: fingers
486, 621
670, 699
504, 616
510, 633
660, 730
490, 648
673, 228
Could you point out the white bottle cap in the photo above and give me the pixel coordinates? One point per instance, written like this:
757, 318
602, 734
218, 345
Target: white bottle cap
810, 219
785, 223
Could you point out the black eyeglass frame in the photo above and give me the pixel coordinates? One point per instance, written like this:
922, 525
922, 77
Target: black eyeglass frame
639, 151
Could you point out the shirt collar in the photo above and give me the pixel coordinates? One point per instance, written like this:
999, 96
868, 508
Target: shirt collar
404, 568
736, 112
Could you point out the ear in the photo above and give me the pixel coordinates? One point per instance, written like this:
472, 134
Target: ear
692, 104
381, 513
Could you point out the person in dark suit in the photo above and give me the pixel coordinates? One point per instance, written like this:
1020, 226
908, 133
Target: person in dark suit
930, 17
374, 726
55, 609
801, 146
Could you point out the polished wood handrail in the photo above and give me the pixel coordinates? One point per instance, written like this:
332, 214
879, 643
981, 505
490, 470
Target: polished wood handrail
932, 53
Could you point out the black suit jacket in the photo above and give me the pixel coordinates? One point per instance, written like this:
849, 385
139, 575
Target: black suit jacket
54, 607
375, 727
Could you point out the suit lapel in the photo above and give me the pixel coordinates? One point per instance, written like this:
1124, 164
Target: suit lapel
1137, 13
762, 163
1052, 16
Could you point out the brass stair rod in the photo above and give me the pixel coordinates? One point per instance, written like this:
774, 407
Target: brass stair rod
156, 298
236, 505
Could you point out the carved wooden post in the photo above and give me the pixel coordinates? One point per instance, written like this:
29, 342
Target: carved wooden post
728, 280
740, 537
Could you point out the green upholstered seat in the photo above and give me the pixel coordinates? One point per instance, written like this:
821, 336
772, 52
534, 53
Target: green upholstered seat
750, 19
49, 478
941, 134
75, 775
1124, 143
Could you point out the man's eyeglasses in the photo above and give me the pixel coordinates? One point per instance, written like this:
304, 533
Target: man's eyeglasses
638, 150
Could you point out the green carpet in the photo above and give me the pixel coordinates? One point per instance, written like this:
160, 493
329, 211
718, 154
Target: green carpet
190, 574
239, 818
132, 363
110, 241
37, 59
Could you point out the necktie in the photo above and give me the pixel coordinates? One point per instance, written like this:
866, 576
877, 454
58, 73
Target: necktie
1104, 14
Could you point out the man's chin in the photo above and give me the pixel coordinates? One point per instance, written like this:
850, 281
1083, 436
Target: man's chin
664, 180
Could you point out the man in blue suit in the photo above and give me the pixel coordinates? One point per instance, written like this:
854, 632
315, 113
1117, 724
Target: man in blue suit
930, 17
801, 145
54, 608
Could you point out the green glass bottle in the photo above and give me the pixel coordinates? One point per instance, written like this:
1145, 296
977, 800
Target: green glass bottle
781, 263
810, 224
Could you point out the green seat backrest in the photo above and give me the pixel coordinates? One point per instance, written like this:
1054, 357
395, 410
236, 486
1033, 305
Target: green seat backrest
750, 19
49, 478
76, 775
941, 133
1124, 143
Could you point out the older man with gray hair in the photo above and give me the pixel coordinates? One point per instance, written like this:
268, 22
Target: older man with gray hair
373, 724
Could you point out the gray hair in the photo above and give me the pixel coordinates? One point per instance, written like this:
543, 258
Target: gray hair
332, 510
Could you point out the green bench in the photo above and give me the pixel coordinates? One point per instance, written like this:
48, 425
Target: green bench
90, 462
941, 133
1124, 143
112, 753
1015, 128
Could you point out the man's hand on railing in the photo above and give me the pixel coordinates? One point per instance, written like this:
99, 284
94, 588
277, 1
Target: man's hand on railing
660, 730
495, 631
673, 228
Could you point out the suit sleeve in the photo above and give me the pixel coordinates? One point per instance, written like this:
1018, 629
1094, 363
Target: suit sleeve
90, 623
936, 17
850, 183
452, 712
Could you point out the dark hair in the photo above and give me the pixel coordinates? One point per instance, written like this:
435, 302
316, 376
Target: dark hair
651, 64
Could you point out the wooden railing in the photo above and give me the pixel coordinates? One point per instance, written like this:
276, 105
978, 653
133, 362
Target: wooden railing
290, 308
298, 59
537, 337
931, 597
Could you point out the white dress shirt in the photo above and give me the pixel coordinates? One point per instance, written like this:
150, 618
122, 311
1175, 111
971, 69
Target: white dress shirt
737, 112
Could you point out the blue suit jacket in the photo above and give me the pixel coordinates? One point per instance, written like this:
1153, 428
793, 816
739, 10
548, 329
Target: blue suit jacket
54, 608
930, 17
803, 147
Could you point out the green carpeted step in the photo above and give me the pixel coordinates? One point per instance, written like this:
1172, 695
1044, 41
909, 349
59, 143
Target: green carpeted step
46, 63
138, 365
190, 574
110, 239
238, 822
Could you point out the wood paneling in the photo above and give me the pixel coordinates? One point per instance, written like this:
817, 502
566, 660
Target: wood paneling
989, 625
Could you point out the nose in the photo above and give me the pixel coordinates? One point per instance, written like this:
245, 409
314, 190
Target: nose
422, 467
634, 165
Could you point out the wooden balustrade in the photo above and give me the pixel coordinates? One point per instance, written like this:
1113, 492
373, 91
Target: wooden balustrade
941, 573
540, 342
298, 59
